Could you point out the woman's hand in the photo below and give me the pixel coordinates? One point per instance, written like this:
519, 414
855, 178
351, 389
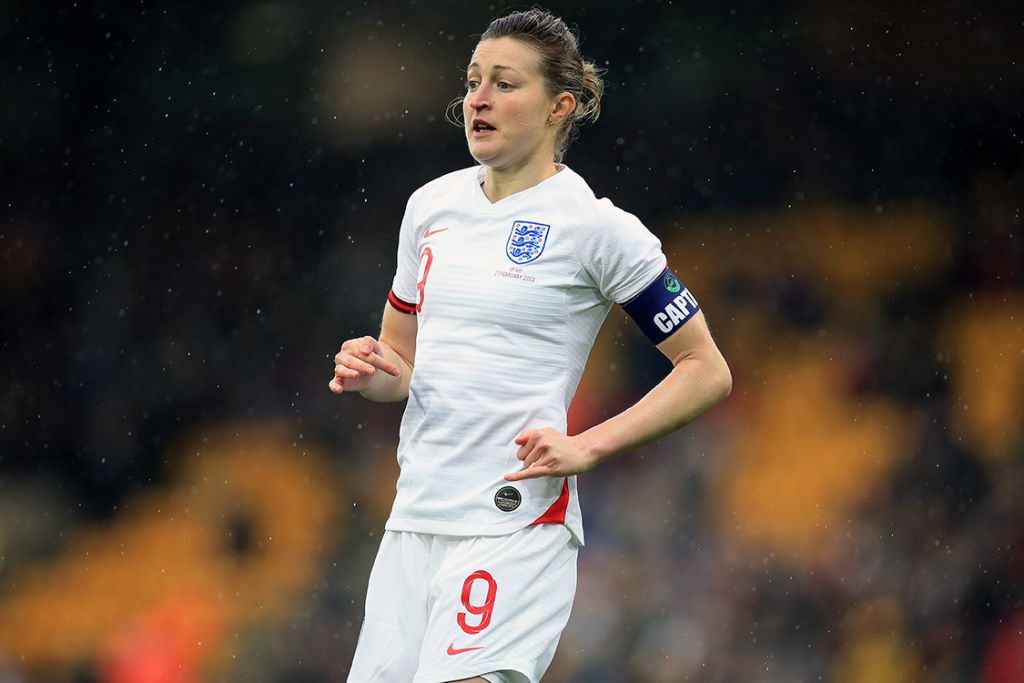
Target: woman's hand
549, 453
357, 362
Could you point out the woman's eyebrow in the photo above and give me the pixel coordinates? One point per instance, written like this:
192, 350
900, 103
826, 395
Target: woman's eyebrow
496, 67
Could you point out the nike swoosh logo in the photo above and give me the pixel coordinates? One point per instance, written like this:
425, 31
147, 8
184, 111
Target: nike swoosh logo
428, 233
452, 650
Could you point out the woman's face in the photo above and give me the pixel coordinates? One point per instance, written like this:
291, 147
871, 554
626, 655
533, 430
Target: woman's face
507, 105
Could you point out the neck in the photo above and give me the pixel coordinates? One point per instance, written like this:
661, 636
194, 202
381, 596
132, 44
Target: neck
506, 181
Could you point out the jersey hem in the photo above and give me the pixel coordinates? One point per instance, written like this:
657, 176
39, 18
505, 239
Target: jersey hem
439, 528
400, 305
440, 676
434, 527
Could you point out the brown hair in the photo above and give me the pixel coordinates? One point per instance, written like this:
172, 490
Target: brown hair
563, 68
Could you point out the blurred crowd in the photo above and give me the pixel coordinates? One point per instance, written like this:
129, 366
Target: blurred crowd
199, 203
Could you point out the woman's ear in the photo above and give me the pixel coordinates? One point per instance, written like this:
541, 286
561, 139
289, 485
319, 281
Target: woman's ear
565, 105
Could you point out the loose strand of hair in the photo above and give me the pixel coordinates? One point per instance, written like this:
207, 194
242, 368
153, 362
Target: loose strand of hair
453, 112
593, 91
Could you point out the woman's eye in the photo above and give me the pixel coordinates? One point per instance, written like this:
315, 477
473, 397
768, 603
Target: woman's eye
504, 85
472, 85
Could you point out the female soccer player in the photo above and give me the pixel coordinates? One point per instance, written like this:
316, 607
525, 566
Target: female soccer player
506, 270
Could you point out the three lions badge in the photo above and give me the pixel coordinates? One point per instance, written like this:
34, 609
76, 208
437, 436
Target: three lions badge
526, 241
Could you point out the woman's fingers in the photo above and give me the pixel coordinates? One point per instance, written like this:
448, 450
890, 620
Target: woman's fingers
381, 362
360, 366
345, 372
368, 350
356, 362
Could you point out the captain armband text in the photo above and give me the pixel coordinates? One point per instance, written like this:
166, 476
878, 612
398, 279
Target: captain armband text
663, 307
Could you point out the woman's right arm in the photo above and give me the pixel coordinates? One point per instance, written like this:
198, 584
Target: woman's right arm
356, 364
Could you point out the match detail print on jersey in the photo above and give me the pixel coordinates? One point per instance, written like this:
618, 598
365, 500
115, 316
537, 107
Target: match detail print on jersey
663, 307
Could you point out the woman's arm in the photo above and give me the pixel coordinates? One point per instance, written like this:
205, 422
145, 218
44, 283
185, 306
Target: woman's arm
699, 379
356, 364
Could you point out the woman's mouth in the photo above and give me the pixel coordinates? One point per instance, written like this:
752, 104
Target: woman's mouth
481, 128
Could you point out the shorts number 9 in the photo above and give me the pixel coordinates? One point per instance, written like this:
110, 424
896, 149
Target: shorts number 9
483, 611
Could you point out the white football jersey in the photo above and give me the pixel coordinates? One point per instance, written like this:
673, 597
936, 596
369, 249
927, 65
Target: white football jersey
509, 298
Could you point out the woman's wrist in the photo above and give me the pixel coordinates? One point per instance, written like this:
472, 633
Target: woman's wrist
594, 447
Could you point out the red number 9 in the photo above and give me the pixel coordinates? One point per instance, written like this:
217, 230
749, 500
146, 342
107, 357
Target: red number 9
426, 258
483, 611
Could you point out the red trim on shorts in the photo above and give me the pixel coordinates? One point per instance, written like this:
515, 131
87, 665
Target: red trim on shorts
401, 306
556, 513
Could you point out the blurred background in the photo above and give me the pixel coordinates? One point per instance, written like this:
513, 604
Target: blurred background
200, 201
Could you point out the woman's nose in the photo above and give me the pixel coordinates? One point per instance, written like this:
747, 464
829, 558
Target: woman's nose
479, 98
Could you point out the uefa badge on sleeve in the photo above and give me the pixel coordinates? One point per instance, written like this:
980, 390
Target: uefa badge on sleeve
526, 241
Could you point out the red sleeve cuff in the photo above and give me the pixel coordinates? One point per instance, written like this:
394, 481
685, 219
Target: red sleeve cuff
401, 306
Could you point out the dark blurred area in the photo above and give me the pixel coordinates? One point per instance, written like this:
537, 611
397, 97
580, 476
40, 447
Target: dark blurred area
200, 202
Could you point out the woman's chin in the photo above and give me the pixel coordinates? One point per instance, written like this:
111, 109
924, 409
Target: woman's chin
484, 155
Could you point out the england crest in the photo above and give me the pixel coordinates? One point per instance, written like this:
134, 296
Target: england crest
526, 242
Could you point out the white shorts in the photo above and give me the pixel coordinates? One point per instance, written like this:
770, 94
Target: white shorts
445, 608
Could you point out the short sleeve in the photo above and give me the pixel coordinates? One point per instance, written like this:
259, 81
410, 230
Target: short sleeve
620, 254
404, 284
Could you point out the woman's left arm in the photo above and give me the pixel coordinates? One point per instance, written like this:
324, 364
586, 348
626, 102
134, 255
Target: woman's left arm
699, 379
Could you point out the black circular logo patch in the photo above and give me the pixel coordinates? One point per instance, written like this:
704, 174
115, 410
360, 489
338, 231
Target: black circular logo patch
507, 499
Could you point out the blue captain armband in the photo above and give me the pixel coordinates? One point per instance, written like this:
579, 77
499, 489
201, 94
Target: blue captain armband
663, 307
